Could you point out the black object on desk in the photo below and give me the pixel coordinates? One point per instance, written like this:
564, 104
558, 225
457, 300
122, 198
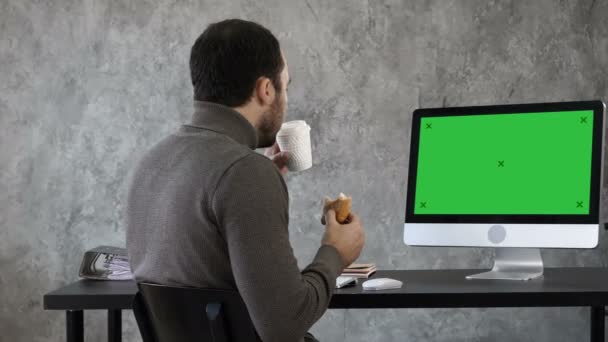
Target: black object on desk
421, 289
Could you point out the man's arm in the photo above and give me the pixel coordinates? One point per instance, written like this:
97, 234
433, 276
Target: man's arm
251, 207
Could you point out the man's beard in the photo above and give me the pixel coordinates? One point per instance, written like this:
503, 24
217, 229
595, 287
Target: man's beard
271, 123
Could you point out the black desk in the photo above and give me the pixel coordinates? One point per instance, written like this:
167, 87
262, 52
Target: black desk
422, 289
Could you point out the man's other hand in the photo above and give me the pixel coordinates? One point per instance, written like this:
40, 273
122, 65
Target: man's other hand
278, 158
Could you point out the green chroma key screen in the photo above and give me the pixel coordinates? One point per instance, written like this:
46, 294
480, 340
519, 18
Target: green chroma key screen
511, 164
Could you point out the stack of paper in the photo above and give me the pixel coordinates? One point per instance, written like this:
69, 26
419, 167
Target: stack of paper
118, 268
359, 270
106, 263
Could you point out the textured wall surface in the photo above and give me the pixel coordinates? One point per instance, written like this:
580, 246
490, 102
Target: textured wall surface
86, 86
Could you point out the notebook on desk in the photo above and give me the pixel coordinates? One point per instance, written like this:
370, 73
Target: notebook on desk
359, 270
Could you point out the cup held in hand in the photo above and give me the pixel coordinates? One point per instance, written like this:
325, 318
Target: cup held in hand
294, 138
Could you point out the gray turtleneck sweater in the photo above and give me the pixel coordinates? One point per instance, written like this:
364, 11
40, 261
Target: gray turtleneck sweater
205, 210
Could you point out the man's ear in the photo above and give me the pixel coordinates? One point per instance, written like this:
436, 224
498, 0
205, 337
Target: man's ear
264, 91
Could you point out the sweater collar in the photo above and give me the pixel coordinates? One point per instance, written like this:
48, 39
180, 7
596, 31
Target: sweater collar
225, 120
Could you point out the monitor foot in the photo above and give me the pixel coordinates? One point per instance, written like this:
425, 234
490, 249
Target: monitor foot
514, 264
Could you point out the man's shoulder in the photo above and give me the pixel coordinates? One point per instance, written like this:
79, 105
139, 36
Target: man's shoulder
197, 159
210, 142
204, 148
254, 162
255, 171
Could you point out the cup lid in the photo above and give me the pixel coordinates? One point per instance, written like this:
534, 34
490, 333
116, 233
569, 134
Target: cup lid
292, 126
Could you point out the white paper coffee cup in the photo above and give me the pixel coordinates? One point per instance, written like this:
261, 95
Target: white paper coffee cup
294, 138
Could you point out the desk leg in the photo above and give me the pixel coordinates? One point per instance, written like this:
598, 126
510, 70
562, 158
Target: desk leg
598, 315
74, 326
114, 325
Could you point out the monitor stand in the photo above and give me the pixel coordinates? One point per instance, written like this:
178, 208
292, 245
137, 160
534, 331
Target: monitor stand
514, 264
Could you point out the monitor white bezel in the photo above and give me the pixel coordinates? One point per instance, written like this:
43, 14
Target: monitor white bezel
517, 235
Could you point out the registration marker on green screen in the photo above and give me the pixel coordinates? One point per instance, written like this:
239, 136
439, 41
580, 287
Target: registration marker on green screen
505, 164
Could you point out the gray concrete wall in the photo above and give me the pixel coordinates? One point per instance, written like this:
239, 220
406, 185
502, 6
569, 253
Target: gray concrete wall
86, 86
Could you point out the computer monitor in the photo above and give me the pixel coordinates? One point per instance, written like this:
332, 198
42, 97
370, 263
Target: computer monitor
514, 177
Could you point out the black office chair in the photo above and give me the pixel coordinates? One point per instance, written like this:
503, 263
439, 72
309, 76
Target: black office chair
182, 314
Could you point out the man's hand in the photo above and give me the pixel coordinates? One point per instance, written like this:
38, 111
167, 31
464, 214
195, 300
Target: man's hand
347, 238
278, 158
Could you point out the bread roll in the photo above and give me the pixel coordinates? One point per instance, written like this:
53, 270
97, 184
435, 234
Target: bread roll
340, 205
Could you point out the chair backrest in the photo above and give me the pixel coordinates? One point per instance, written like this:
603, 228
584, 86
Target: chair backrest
167, 314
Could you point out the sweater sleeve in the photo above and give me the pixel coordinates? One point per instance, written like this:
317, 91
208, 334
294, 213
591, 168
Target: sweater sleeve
251, 207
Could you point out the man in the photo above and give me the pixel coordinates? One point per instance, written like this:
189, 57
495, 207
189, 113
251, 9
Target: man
205, 210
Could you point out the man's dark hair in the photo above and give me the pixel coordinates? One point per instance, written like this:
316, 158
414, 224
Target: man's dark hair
228, 58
